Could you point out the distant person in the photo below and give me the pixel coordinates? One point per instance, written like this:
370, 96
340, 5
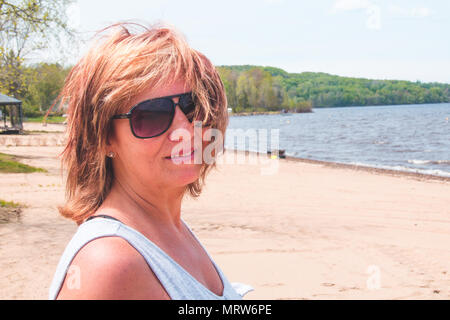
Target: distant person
127, 99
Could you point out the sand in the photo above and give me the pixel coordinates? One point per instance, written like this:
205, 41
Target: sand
310, 230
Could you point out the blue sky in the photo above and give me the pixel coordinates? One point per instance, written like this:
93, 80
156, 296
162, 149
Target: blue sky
377, 39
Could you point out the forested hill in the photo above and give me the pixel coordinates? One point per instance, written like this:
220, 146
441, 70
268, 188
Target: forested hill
261, 89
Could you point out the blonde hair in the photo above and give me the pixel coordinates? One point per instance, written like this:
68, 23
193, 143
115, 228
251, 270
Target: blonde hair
120, 65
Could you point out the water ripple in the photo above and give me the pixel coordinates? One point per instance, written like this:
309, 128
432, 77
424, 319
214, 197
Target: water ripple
388, 136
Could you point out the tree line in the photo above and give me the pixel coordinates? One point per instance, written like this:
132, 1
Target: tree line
254, 88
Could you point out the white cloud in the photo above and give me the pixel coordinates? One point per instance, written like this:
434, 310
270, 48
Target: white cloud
347, 5
416, 12
372, 11
421, 12
273, 1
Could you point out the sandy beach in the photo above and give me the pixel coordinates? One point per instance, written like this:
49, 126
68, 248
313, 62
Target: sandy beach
311, 230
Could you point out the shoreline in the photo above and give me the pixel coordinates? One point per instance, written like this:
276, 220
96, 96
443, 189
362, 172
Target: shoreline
332, 107
256, 113
382, 105
415, 175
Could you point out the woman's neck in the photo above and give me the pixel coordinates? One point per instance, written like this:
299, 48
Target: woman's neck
161, 208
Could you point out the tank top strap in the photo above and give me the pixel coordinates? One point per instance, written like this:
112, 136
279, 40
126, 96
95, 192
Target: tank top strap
85, 233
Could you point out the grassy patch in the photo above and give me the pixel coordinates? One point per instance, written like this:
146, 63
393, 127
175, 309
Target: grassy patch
9, 164
9, 204
9, 211
51, 119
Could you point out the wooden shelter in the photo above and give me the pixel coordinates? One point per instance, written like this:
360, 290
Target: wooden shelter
10, 108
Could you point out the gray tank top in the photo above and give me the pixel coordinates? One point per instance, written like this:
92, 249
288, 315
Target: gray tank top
178, 283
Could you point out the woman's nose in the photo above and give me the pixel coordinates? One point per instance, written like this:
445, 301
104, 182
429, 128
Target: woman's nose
181, 126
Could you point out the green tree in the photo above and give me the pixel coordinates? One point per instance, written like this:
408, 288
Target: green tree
50, 79
26, 27
268, 88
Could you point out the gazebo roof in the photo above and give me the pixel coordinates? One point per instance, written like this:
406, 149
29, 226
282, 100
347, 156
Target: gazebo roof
6, 100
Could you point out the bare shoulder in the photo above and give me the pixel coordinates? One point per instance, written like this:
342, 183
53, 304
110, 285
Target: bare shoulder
110, 268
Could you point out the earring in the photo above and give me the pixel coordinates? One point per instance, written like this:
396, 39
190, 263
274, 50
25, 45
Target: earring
111, 154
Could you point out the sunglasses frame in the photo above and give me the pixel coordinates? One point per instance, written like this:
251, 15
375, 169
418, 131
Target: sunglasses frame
174, 106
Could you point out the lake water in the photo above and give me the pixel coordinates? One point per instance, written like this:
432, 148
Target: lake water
403, 137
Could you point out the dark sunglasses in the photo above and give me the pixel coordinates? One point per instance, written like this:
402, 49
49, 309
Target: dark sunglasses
151, 118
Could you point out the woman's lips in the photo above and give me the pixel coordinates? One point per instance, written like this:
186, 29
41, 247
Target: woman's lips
183, 156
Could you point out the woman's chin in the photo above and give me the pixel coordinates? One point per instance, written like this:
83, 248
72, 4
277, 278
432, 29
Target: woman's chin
186, 175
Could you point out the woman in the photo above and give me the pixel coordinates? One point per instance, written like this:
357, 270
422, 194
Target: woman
128, 100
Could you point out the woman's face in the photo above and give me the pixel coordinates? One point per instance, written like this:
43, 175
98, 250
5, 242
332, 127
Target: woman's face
147, 163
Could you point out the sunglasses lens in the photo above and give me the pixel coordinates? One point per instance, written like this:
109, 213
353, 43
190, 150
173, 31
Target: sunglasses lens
188, 106
152, 118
